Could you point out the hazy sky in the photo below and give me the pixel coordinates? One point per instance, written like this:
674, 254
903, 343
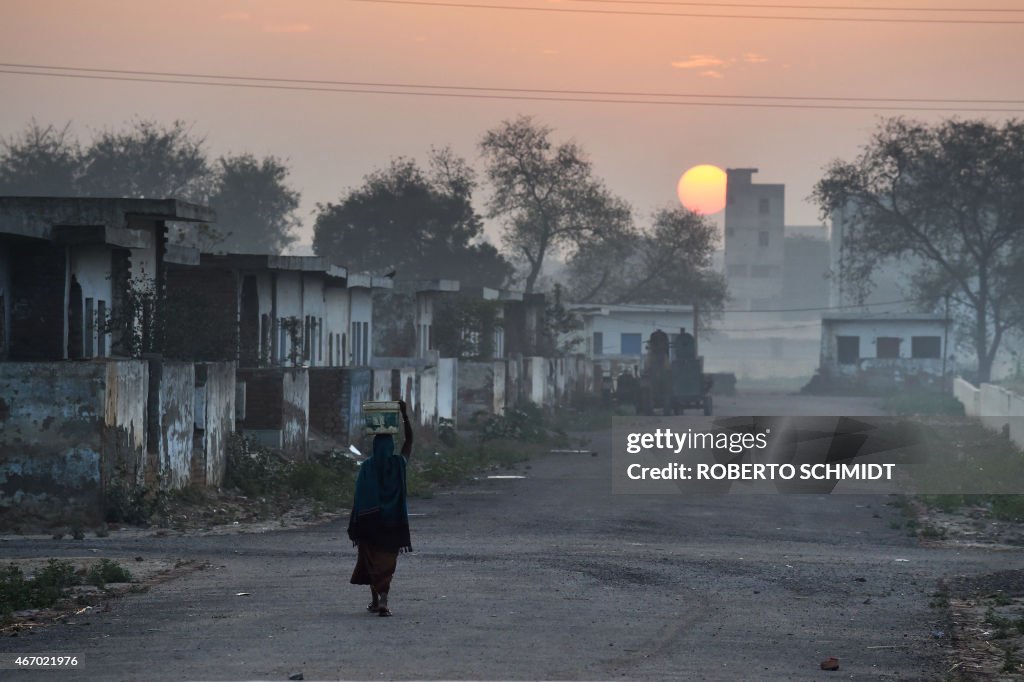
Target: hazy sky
331, 140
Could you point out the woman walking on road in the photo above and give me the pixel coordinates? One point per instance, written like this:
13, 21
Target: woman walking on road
379, 523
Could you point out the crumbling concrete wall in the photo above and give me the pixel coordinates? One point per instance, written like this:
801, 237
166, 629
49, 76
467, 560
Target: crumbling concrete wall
215, 419
295, 413
475, 390
382, 384
336, 395
535, 380
125, 421
172, 417
447, 389
51, 439
428, 397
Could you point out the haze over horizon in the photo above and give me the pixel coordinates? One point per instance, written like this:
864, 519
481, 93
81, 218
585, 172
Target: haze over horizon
331, 139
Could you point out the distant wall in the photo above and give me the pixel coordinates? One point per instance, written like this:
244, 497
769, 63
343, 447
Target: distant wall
996, 407
336, 395
295, 412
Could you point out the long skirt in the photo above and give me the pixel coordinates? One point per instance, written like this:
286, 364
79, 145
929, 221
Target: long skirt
374, 567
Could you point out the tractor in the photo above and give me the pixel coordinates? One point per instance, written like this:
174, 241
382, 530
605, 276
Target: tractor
673, 378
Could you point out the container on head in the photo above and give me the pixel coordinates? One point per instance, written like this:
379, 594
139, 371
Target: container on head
381, 417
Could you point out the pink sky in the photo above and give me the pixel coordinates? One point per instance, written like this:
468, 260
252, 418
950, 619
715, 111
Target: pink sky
332, 140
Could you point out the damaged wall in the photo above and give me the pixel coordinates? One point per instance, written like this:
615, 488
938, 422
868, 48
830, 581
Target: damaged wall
172, 416
125, 421
215, 419
67, 431
51, 419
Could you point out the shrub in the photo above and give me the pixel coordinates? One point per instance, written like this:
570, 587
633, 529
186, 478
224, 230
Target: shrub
107, 571
40, 591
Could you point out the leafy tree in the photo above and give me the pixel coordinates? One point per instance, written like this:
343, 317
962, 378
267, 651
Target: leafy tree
950, 197
546, 194
254, 203
255, 206
418, 223
147, 160
40, 161
670, 263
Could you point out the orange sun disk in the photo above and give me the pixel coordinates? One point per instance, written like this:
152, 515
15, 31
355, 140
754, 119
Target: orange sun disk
702, 189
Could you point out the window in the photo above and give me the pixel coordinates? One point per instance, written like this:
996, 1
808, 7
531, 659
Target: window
763, 238
887, 347
925, 347
630, 344
598, 343
762, 270
330, 349
737, 270
847, 350
764, 206
730, 231
730, 198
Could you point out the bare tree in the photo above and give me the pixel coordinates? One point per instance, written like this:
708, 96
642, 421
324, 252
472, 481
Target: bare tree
546, 194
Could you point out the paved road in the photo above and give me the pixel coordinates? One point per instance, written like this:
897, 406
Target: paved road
546, 577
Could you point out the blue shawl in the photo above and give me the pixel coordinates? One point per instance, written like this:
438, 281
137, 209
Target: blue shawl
380, 516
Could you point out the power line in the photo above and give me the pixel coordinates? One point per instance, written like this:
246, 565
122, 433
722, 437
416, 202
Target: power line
623, 12
507, 97
477, 88
840, 8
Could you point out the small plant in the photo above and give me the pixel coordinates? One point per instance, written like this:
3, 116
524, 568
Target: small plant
107, 571
42, 590
102, 531
77, 532
931, 532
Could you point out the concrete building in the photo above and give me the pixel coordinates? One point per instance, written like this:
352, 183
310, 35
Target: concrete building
619, 332
754, 232
806, 282
73, 270
884, 349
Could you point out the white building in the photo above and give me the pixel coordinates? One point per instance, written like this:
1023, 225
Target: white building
885, 348
620, 332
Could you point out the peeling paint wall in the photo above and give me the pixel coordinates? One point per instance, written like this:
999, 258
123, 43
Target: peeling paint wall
428, 397
447, 388
51, 439
295, 413
475, 390
336, 395
173, 421
125, 421
218, 387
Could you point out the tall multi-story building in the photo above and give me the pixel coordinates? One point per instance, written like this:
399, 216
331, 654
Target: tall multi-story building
754, 241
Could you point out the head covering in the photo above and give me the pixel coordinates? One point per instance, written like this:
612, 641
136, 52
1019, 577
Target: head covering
380, 516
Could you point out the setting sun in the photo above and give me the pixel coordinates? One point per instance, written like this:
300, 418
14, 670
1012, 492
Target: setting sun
702, 189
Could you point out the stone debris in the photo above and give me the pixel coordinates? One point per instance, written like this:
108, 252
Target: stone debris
830, 663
